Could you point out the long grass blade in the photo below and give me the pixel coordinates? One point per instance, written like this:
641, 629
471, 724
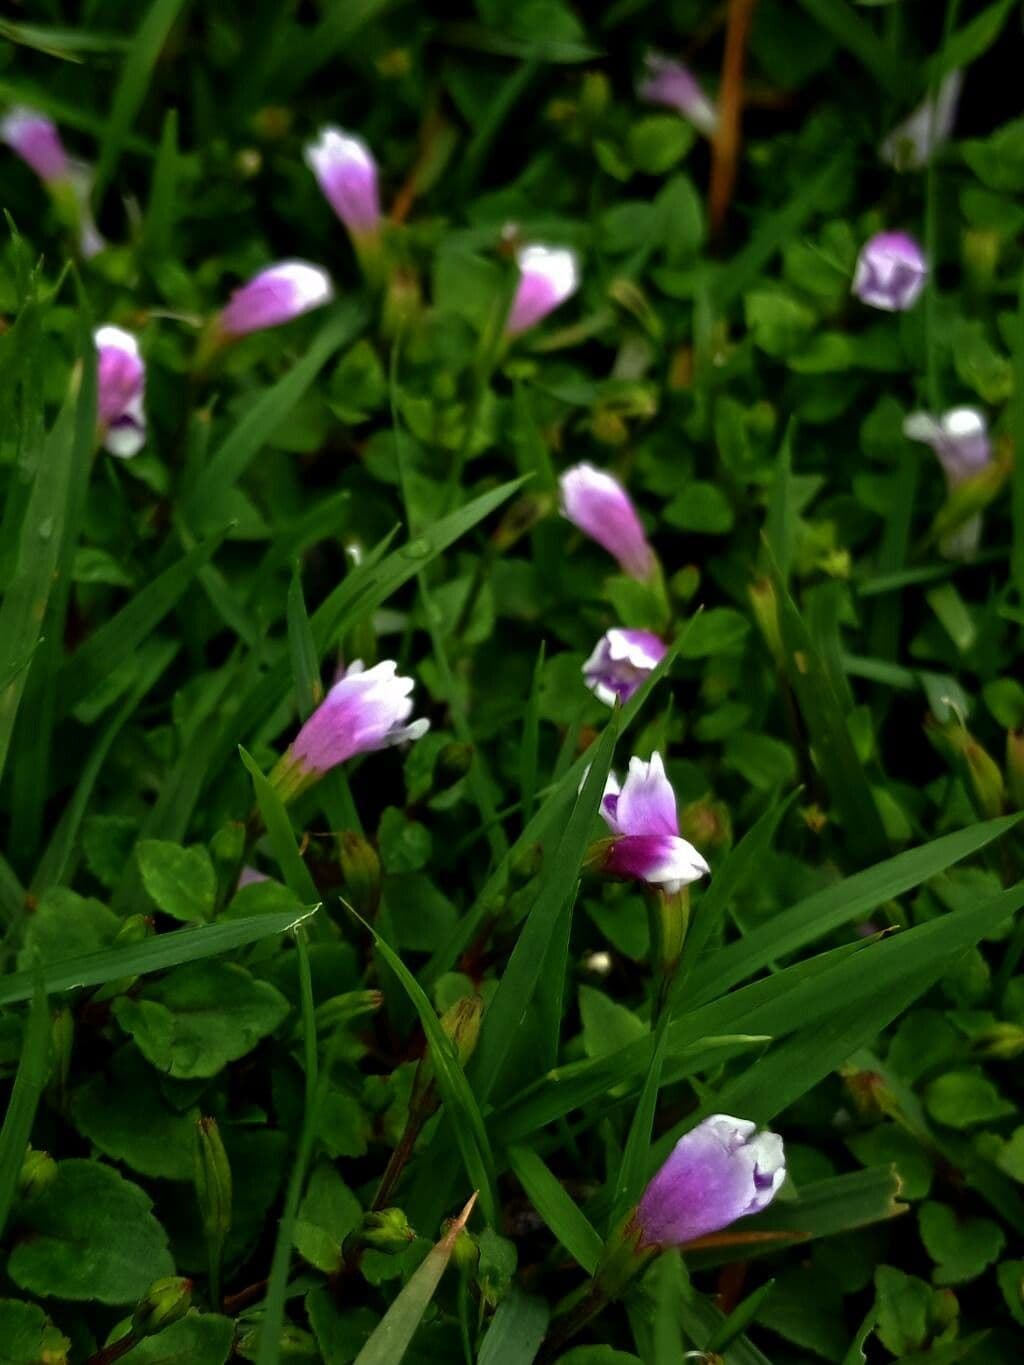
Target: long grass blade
28, 1088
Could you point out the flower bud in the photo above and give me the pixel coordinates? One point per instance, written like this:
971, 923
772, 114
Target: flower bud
673, 85
1003, 1041
465, 1252
365, 710
166, 1301
765, 605
276, 295
387, 1230
453, 763
621, 662
341, 1009
891, 272
547, 277
600, 507
461, 1026
212, 1175
979, 770
360, 867
526, 863
706, 823
717, 1172
910, 145
347, 174
121, 383
38, 1172
36, 140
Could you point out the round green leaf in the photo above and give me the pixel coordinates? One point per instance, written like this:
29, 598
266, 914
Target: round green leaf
93, 1236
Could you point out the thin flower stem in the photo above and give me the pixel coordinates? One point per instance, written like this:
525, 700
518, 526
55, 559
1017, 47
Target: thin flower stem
114, 1351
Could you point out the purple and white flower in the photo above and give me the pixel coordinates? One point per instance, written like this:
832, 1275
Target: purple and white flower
274, 296
646, 845
548, 275
891, 272
622, 660
121, 384
365, 710
912, 143
717, 1172
600, 507
670, 83
36, 140
347, 174
961, 442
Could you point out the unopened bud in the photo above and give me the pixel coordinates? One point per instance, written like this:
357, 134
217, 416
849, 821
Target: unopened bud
1003, 1041
526, 863
387, 1230
461, 1026
340, 1009
212, 1174
465, 1252
869, 1092
166, 1301
706, 823
979, 769
360, 866
403, 301
38, 1172
765, 606
1015, 766
453, 763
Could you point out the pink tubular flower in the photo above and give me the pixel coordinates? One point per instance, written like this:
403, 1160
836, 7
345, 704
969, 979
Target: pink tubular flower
912, 143
364, 710
646, 845
621, 661
670, 83
548, 275
274, 296
717, 1172
121, 382
347, 174
600, 507
35, 139
891, 272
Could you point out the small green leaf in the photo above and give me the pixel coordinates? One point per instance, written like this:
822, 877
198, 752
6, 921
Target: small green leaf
200, 1017
961, 1247
181, 880
964, 1099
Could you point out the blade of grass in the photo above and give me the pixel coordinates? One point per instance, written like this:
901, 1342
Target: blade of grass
530, 741
309, 1044
632, 1174
516, 1331
556, 1206
28, 1087
151, 955
31, 775
850, 899
53, 865
394, 1333
856, 34
463, 1109
519, 980
136, 71
1017, 490
826, 725
309, 690
279, 831
157, 230
119, 637
27, 595
265, 415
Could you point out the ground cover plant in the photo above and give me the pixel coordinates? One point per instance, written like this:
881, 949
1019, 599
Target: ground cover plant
511, 708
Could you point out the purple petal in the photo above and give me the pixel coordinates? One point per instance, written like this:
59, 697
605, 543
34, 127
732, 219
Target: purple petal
663, 860
718, 1172
600, 507
911, 144
121, 379
648, 803
959, 438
